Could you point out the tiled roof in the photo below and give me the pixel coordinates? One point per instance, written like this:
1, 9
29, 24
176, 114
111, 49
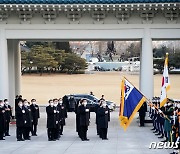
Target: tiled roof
84, 1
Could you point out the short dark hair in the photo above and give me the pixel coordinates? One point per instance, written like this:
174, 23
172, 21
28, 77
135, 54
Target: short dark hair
50, 100
33, 100
5, 100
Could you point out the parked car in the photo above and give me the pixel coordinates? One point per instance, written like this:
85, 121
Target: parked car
92, 101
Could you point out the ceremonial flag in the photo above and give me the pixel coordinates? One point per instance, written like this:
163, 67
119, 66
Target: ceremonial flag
165, 83
131, 102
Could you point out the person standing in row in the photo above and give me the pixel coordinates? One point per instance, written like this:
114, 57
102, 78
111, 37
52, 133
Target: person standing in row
96, 111
57, 119
103, 119
84, 116
78, 103
8, 116
28, 120
63, 115
51, 122
20, 121
35, 116
2, 120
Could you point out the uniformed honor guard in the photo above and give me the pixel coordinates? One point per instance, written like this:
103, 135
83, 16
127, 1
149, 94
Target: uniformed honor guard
20, 121
35, 116
84, 116
142, 114
28, 120
8, 115
167, 123
2, 120
63, 116
51, 121
103, 119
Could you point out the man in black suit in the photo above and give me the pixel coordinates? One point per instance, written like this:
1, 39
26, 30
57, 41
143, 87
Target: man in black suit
35, 116
51, 121
57, 119
8, 115
103, 119
63, 115
2, 120
20, 121
84, 116
97, 116
28, 119
78, 103
66, 102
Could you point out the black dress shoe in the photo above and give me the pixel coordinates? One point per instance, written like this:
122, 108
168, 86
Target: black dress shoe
2, 139
160, 136
104, 138
153, 129
20, 140
86, 139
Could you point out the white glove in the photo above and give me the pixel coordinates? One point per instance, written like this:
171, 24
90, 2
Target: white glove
106, 112
160, 111
25, 121
23, 111
153, 108
54, 111
56, 122
87, 110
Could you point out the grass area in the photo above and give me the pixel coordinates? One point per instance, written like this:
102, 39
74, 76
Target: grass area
108, 83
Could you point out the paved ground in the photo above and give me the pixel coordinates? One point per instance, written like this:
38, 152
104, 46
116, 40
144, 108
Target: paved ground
135, 140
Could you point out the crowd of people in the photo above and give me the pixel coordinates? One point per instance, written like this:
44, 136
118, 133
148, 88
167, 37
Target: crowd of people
166, 121
27, 115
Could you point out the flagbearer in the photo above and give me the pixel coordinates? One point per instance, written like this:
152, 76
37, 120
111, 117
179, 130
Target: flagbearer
131, 101
142, 114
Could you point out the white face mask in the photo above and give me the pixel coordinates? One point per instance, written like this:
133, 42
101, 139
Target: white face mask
60, 102
26, 104
20, 105
51, 104
34, 103
85, 103
104, 105
169, 104
178, 105
55, 104
7, 103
